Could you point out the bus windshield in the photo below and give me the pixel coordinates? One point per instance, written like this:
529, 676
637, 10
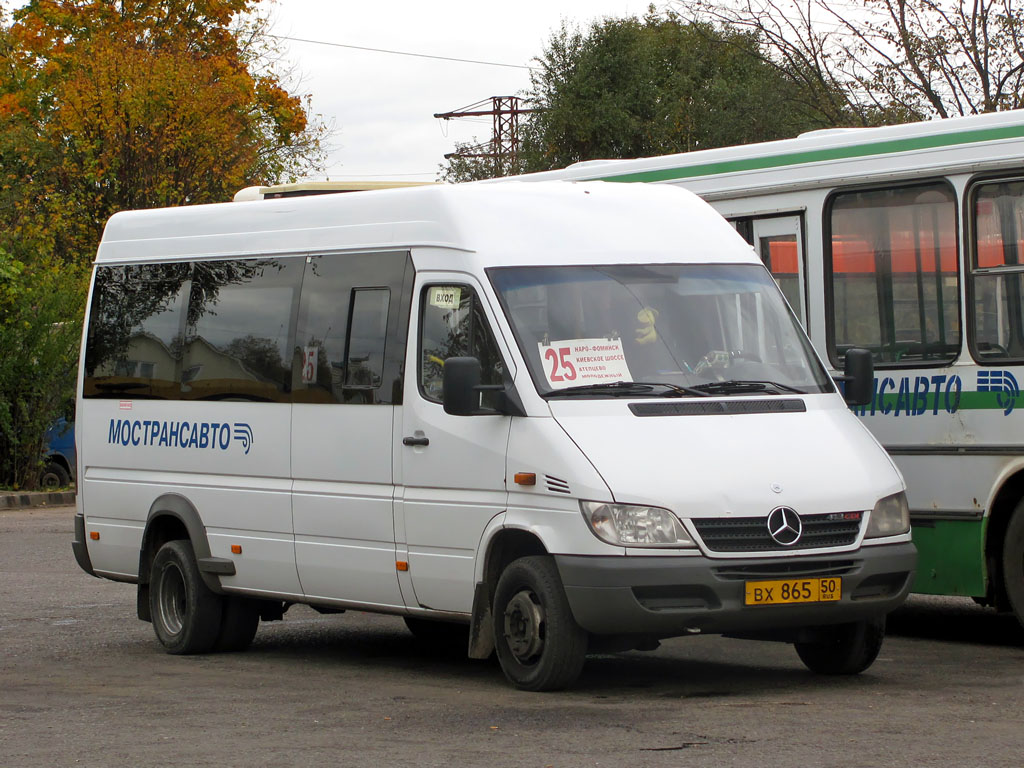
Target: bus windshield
658, 330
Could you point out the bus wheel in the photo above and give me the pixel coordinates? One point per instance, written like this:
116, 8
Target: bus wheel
1013, 562
845, 649
540, 646
186, 614
238, 624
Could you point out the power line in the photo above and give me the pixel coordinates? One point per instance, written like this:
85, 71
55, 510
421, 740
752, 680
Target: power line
400, 53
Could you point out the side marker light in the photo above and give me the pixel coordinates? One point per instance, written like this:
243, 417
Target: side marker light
401, 565
94, 535
236, 549
525, 478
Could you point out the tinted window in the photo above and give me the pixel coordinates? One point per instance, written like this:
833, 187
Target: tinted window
134, 344
236, 345
894, 274
998, 270
351, 332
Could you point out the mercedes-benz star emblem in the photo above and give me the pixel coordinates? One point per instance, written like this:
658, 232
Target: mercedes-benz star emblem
784, 526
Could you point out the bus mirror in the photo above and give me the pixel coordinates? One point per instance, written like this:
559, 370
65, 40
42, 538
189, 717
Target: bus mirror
462, 390
461, 379
859, 374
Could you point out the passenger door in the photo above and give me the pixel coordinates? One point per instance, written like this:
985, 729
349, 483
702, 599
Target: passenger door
346, 376
453, 467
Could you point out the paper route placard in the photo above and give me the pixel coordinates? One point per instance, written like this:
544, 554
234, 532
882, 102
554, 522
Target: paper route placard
573, 362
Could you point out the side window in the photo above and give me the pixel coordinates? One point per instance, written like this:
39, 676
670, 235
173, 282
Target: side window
133, 347
350, 338
997, 270
240, 315
453, 324
893, 265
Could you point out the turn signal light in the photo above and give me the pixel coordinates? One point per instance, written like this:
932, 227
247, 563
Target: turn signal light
525, 478
236, 549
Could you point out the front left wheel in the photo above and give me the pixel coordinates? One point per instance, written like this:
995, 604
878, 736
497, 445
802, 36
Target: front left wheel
539, 644
186, 614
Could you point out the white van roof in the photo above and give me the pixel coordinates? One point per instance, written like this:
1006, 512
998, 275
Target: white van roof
554, 222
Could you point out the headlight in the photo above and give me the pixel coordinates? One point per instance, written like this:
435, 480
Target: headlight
630, 525
890, 517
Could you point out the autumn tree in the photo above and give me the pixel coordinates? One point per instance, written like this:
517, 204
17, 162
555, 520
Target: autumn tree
107, 105
885, 61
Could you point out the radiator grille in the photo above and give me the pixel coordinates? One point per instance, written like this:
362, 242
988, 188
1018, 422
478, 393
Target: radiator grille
750, 534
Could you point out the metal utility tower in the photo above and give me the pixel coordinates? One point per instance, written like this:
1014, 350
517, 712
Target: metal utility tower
503, 147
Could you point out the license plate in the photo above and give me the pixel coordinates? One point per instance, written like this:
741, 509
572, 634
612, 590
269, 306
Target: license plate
785, 591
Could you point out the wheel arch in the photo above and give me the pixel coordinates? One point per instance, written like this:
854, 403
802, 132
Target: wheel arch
503, 546
170, 517
1005, 500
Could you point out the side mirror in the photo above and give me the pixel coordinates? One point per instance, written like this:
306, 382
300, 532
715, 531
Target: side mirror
462, 390
461, 379
858, 376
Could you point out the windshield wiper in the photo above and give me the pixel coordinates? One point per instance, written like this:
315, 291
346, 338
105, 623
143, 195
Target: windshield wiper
628, 389
741, 386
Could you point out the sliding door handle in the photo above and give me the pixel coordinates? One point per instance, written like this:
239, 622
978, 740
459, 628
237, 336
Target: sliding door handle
415, 441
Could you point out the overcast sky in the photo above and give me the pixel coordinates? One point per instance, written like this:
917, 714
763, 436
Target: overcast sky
381, 105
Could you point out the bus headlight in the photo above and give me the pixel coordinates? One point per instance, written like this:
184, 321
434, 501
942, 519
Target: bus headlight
631, 525
890, 517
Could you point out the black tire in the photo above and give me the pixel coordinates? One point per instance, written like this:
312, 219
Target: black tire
238, 624
439, 635
1013, 562
54, 476
539, 644
845, 649
186, 614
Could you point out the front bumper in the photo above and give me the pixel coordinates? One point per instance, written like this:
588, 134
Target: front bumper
670, 596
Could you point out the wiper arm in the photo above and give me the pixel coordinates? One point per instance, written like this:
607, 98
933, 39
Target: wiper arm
628, 389
739, 386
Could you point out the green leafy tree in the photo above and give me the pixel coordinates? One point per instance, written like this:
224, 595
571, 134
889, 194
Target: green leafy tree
40, 329
634, 87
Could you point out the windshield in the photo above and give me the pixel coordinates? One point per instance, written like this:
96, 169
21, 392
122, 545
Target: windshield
665, 330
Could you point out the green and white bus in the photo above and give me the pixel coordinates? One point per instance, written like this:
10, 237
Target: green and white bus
907, 240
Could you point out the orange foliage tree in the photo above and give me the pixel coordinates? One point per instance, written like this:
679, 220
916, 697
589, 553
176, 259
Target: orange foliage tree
107, 105
115, 104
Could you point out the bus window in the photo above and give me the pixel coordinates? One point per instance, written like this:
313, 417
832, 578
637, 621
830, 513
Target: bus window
894, 277
134, 340
997, 270
239, 318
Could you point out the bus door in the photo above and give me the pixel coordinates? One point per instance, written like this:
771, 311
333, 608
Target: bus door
452, 467
779, 243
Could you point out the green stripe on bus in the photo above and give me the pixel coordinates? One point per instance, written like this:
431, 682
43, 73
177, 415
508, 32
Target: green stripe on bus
950, 557
832, 153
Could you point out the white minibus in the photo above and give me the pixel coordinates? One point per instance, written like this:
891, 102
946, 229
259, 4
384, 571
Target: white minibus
907, 240
570, 417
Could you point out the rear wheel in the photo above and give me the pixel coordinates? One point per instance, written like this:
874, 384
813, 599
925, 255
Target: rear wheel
845, 649
186, 614
1013, 562
539, 644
